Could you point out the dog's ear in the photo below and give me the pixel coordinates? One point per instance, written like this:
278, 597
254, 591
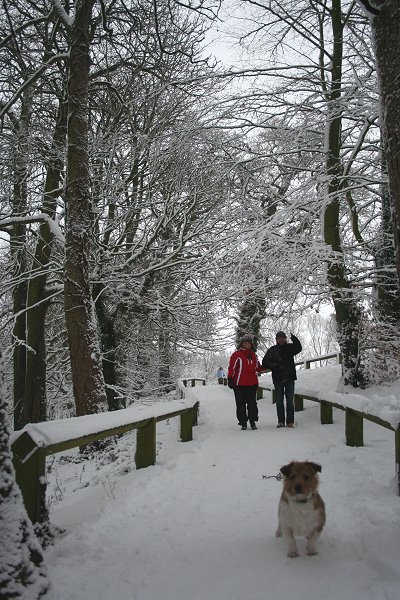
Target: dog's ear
315, 467
286, 470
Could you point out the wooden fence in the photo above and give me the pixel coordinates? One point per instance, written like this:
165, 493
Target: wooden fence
192, 382
321, 359
354, 421
35, 442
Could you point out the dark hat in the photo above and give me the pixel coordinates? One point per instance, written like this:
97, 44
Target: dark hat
280, 334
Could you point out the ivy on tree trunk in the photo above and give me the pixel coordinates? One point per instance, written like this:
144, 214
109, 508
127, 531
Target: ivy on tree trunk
86, 365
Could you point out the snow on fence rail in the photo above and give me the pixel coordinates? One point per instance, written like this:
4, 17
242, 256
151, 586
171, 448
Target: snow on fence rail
325, 357
35, 441
356, 408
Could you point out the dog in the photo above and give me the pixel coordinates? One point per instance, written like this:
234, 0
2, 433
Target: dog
301, 510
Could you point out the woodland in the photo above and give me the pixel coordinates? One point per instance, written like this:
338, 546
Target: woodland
153, 199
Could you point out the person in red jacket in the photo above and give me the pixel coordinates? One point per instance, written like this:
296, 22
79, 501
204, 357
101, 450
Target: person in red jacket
242, 378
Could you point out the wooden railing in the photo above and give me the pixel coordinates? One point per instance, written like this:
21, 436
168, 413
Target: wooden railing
324, 358
192, 382
354, 420
35, 442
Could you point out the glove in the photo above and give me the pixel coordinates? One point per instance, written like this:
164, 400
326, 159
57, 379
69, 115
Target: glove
231, 385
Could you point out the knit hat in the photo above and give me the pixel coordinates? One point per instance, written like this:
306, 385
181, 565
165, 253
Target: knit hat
280, 334
247, 337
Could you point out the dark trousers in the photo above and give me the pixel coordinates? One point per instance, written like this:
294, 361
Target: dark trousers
246, 403
285, 389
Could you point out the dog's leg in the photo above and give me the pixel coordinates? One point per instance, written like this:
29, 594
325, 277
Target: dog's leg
292, 547
311, 542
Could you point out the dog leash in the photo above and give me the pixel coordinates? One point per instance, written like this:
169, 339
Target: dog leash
278, 477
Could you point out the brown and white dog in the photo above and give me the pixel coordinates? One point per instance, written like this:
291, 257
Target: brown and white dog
301, 509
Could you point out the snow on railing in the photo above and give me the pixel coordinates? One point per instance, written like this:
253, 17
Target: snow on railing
356, 408
35, 441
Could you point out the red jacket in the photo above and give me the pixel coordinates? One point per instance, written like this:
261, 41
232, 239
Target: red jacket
243, 367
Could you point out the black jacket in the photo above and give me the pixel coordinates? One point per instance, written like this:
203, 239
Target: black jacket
279, 359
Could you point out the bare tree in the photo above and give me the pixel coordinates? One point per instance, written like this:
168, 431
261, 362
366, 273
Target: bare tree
385, 24
86, 367
314, 98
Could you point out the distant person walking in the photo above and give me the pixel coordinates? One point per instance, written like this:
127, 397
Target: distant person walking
220, 375
243, 380
279, 359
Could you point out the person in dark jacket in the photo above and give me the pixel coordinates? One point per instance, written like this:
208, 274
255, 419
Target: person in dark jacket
279, 359
242, 378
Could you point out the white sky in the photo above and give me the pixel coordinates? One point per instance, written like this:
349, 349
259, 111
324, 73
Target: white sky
201, 523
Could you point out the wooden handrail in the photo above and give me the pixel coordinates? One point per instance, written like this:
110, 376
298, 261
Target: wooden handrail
35, 442
307, 361
193, 381
354, 421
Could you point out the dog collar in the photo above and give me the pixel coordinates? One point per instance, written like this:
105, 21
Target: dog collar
305, 500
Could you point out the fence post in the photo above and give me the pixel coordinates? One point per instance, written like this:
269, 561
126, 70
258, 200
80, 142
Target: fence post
307, 363
145, 455
204, 382
193, 382
195, 413
397, 453
326, 413
186, 426
354, 428
298, 403
30, 469
259, 393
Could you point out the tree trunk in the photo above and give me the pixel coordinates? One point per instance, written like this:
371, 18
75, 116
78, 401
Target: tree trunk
108, 342
347, 312
35, 401
251, 314
24, 573
386, 31
387, 288
87, 376
164, 352
18, 254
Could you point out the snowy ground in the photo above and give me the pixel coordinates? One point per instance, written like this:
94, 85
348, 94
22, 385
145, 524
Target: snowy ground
201, 524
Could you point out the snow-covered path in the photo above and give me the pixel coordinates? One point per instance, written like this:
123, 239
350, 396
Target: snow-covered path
200, 524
